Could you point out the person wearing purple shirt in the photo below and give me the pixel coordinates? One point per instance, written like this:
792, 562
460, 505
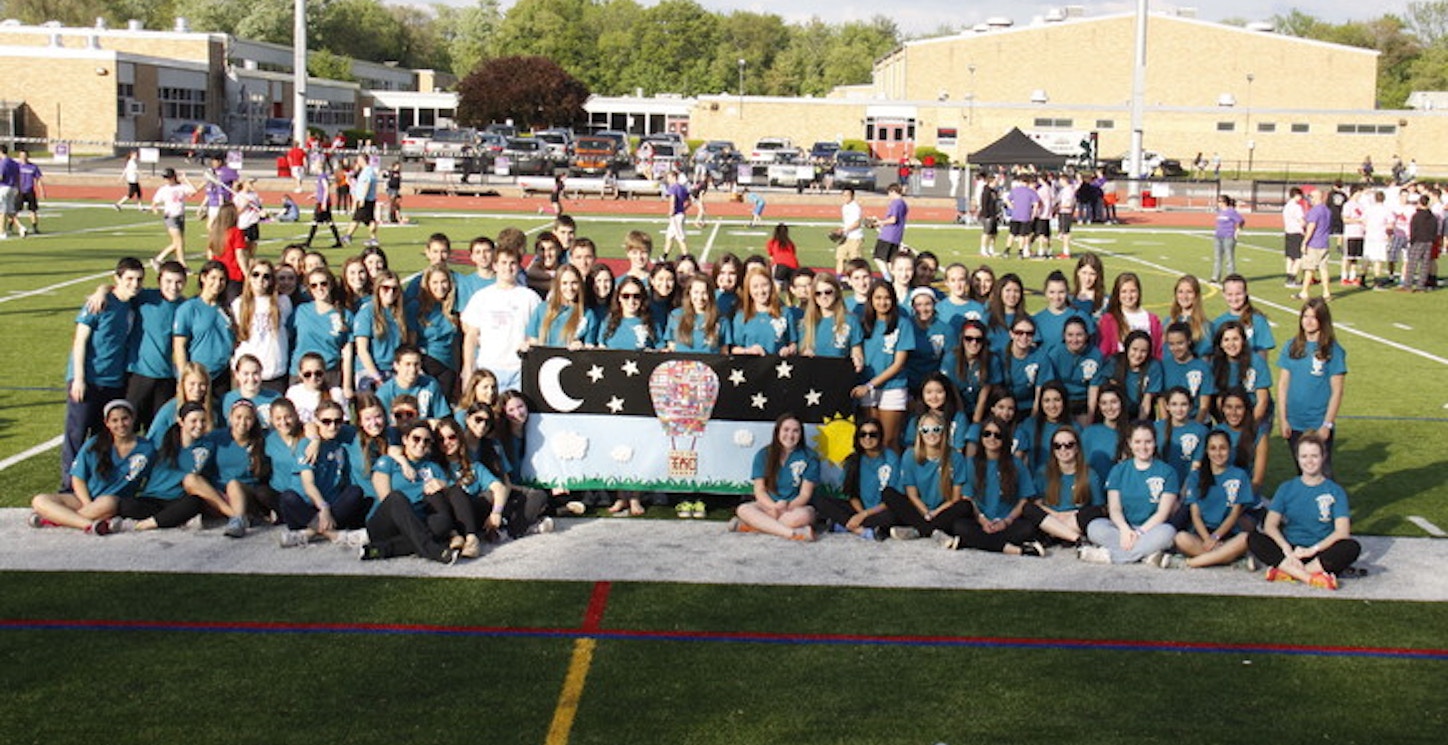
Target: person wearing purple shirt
30, 177
1022, 201
9, 183
678, 195
1315, 241
1229, 221
220, 184
892, 229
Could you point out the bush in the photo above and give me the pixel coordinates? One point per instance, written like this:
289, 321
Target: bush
859, 146
941, 159
355, 137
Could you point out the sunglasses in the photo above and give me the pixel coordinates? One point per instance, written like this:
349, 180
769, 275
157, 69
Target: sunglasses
1064, 445
630, 296
866, 434
330, 421
319, 285
990, 434
449, 437
931, 429
387, 288
824, 293
972, 339
404, 414
420, 439
1023, 332
480, 419
309, 374
261, 275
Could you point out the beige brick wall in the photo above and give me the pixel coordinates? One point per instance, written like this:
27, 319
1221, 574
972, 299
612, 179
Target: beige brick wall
75, 103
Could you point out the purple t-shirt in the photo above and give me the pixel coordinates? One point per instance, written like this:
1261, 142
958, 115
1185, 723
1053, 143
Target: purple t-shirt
29, 174
10, 172
678, 198
1228, 221
219, 192
1023, 203
895, 231
1320, 218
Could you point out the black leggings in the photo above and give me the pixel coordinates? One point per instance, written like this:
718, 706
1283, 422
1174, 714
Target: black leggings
972, 535
458, 506
148, 395
523, 507
840, 511
395, 530
169, 513
1335, 558
904, 512
446, 377
349, 508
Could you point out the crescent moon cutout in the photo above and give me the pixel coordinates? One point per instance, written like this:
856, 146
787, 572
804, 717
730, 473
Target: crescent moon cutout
552, 389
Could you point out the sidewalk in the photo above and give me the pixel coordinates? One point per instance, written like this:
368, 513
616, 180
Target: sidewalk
702, 552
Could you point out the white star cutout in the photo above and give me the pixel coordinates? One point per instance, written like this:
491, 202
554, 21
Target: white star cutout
783, 369
630, 368
615, 404
758, 400
595, 373
812, 398
736, 377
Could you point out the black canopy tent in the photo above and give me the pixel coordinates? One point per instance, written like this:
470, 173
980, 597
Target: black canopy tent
1016, 149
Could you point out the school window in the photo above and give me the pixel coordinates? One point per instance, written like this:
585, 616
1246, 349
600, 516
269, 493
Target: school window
1051, 123
1226, 126
1300, 129
183, 103
1266, 126
1105, 124
124, 92
1366, 129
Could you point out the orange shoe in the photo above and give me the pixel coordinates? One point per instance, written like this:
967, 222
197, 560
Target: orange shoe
1323, 580
1277, 575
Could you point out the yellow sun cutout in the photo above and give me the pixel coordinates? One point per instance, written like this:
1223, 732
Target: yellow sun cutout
835, 439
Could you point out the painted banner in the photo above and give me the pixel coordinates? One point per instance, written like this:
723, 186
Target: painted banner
606, 419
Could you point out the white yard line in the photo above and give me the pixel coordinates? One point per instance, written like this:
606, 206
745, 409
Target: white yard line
709, 244
1427, 527
37, 450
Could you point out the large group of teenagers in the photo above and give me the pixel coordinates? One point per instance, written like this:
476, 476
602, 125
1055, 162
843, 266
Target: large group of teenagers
350, 405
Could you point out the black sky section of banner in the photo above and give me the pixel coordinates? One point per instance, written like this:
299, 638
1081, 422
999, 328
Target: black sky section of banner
751, 388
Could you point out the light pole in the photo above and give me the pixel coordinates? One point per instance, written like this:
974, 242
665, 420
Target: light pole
1251, 143
741, 87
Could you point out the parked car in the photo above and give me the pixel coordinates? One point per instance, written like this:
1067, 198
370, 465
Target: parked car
557, 141
768, 149
854, 169
527, 156
594, 156
276, 132
1154, 164
680, 148
617, 135
502, 130
461, 144
711, 150
823, 153
491, 144
211, 134
415, 140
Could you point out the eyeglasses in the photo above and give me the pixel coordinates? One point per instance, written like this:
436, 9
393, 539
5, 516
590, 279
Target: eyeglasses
261, 275
866, 434
404, 414
990, 434
972, 339
330, 421
1064, 445
931, 429
827, 292
309, 374
1023, 332
387, 288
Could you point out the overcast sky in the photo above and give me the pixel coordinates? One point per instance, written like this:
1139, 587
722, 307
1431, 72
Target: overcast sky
923, 16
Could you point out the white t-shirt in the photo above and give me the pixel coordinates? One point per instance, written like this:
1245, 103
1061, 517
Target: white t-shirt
172, 198
850, 215
501, 317
1377, 221
307, 400
132, 171
1294, 219
272, 348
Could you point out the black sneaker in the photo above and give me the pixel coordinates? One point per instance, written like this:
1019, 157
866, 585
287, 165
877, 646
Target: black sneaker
371, 552
1032, 548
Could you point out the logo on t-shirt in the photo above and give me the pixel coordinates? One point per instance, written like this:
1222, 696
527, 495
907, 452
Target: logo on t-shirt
883, 474
1232, 487
1194, 381
796, 472
135, 466
1156, 485
1324, 507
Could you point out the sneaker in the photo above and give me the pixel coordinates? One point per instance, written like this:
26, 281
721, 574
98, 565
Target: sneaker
353, 538
37, 522
23, 231
1157, 560
101, 527
1250, 563
472, 547
1277, 575
1094, 554
904, 533
1323, 580
235, 527
371, 552
1032, 548
576, 507
869, 534
123, 525
117, 206
346, 240
946, 540
684, 509
293, 538
739, 526
542, 526
700, 510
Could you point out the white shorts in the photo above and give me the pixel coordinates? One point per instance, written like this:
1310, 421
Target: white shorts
1375, 250
886, 399
676, 228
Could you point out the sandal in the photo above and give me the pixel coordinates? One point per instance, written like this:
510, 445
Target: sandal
635, 508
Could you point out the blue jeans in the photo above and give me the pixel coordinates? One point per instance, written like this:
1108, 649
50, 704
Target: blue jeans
1225, 251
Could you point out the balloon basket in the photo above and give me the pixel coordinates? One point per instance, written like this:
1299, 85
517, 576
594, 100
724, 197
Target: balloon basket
683, 463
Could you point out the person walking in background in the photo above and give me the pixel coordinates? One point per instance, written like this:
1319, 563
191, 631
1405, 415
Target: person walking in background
131, 174
1229, 223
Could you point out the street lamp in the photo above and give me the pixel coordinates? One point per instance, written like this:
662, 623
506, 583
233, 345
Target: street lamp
741, 87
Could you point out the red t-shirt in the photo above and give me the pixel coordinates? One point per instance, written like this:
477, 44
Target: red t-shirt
782, 254
235, 241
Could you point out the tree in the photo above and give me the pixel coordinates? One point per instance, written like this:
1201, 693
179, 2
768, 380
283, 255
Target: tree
556, 29
468, 33
1429, 22
669, 41
532, 91
325, 64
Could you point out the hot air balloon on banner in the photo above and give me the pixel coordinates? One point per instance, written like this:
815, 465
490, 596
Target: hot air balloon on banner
683, 392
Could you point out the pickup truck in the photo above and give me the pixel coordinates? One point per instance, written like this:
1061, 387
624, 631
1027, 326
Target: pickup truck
768, 149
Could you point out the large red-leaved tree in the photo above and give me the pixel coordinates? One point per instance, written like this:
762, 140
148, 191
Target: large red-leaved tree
532, 91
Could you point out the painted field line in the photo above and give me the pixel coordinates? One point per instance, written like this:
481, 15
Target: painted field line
572, 693
32, 452
1289, 311
731, 637
1427, 527
1402, 326
54, 287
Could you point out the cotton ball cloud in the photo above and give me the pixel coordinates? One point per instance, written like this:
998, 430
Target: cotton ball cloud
569, 445
743, 438
622, 454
